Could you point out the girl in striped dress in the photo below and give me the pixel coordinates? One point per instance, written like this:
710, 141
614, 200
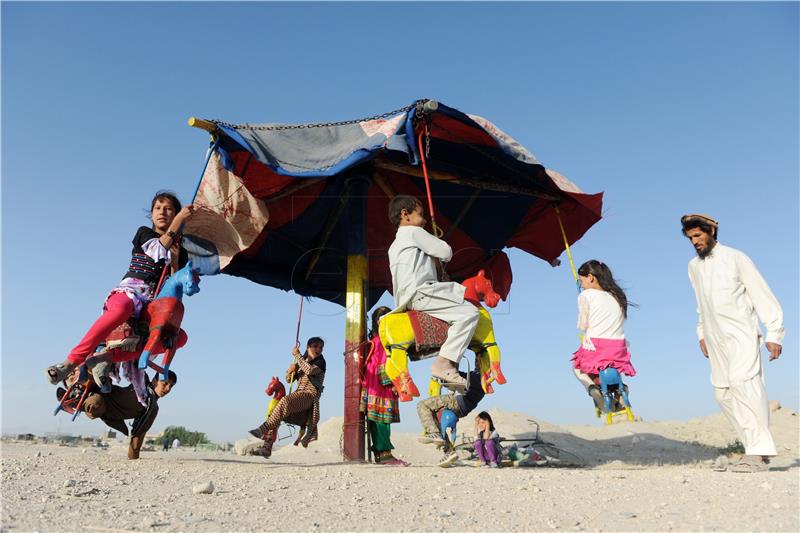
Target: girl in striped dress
300, 407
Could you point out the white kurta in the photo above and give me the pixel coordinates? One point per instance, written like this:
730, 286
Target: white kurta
731, 298
415, 286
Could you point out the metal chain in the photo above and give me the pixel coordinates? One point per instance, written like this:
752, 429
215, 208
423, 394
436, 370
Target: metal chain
427, 142
279, 127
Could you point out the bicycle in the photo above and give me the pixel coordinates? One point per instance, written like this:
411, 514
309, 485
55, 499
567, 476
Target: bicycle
534, 452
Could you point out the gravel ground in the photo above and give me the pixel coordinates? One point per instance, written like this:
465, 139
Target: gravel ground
640, 477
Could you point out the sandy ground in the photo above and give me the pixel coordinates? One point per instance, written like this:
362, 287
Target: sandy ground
641, 476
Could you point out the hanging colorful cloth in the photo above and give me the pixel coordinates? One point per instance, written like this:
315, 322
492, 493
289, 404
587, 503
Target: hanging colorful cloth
378, 399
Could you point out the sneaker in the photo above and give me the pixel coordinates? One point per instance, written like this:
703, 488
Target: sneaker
494, 465
448, 460
597, 397
431, 438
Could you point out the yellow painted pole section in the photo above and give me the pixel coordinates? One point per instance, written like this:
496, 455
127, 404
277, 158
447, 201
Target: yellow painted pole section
202, 124
355, 329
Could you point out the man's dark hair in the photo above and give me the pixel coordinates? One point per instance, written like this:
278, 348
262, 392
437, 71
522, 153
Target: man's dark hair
705, 227
172, 377
400, 202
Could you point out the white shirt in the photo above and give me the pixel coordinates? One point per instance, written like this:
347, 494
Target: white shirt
731, 297
599, 315
411, 260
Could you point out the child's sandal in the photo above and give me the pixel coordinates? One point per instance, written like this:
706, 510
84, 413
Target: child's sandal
58, 372
309, 438
100, 374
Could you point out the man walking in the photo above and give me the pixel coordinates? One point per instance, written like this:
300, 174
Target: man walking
732, 297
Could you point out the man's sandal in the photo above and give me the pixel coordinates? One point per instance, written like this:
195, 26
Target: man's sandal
748, 465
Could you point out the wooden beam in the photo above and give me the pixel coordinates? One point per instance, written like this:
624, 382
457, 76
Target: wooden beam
467, 182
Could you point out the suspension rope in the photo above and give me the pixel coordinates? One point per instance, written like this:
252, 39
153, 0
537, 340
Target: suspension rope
422, 155
296, 342
569, 252
211, 149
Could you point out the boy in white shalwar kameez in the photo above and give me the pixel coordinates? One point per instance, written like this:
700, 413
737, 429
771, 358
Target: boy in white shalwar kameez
416, 285
731, 298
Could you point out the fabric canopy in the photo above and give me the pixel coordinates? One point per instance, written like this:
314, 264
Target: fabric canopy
489, 193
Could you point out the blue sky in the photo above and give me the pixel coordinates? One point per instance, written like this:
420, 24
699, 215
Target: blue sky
669, 108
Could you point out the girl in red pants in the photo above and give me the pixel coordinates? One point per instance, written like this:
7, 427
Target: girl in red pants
154, 249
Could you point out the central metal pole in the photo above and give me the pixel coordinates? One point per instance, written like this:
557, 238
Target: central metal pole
355, 316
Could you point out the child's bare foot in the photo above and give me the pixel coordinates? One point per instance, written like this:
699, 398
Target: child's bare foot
59, 372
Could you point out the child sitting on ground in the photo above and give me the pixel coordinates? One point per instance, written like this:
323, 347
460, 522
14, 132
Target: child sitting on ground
416, 285
602, 310
487, 441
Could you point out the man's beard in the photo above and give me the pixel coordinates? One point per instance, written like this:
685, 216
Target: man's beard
706, 251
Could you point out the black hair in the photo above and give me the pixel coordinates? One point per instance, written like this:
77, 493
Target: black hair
400, 202
705, 227
376, 316
165, 195
606, 280
172, 377
320, 360
483, 415
315, 340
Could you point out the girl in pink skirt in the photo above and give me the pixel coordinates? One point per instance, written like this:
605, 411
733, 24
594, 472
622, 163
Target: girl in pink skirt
602, 310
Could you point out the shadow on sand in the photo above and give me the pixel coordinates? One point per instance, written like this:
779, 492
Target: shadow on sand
640, 449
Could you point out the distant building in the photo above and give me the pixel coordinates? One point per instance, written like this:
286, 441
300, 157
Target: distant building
108, 434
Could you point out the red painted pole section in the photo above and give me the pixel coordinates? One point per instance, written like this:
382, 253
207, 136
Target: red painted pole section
355, 316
